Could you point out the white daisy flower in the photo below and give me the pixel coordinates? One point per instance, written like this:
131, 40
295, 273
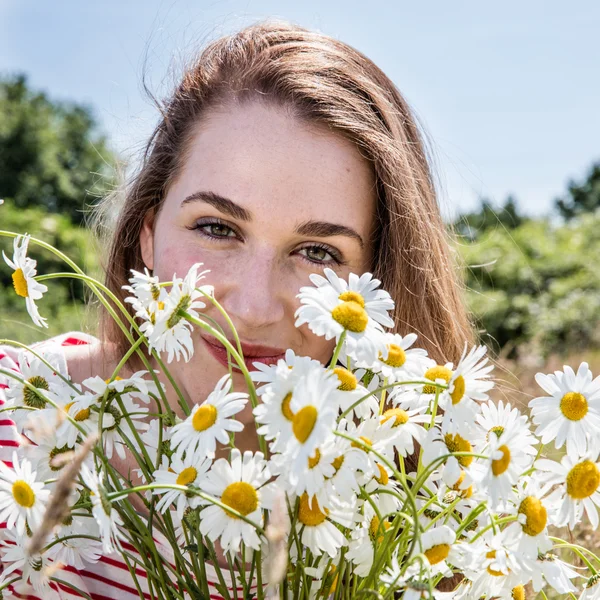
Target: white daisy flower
495, 419
144, 287
80, 409
48, 455
530, 531
267, 374
549, 569
171, 332
364, 540
436, 544
34, 569
313, 478
241, 485
209, 422
439, 443
107, 518
314, 416
412, 588
274, 414
163, 326
571, 411
117, 422
356, 307
493, 565
591, 589
374, 433
467, 387
24, 278
423, 395
578, 483
135, 386
26, 402
344, 483
406, 428
187, 472
315, 525
508, 459
351, 392
22, 497
76, 551
402, 361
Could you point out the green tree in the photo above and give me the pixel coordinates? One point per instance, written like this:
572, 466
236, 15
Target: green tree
581, 197
51, 154
474, 224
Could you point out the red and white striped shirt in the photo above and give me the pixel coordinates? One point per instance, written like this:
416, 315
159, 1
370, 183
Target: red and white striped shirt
109, 578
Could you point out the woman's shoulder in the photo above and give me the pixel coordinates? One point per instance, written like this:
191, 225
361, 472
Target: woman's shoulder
80, 353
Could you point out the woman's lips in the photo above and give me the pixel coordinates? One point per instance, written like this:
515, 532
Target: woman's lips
252, 353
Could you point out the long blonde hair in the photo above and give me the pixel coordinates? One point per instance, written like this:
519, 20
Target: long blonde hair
325, 81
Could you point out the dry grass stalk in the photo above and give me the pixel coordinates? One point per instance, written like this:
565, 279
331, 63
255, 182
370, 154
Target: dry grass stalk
277, 535
58, 506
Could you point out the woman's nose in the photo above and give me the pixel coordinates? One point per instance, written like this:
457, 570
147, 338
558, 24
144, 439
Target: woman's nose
255, 297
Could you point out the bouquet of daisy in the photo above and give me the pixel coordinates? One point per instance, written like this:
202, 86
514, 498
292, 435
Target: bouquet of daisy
381, 474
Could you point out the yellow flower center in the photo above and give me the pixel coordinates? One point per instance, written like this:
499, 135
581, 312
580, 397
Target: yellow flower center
310, 515
457, 443
205, 417
23, 494
500, 465
498, 431
81, 415
435, 373
396, 356
492, 554
436, 554
314, 461
20, 283
583, 480
240, 496
375, 528
347, 379
350, 296
351, 316
459, 390
366, 440
400, 416
187, 476
286, 411
383, 478
518, 593
117, 378
338, 462
31, 397
304, 422
536, 515
574, 406
456, 487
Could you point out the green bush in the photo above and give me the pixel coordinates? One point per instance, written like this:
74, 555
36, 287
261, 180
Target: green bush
537, 285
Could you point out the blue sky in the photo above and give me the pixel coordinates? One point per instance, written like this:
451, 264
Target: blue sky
508, 92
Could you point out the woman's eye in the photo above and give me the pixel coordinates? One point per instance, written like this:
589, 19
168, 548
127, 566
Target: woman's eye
317, 254
218, 230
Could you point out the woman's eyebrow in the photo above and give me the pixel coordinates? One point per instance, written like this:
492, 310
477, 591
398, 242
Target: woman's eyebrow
326, 229
225, 205
308, 228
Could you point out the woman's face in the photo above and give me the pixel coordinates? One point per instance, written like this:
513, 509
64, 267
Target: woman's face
263, 200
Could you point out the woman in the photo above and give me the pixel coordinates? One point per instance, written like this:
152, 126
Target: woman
281, 152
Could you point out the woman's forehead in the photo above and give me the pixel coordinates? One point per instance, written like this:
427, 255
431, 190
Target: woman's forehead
266, 160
